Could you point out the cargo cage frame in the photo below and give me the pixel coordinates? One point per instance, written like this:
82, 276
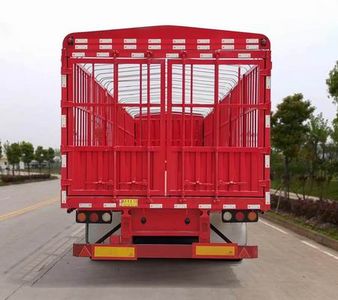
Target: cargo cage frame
84, 104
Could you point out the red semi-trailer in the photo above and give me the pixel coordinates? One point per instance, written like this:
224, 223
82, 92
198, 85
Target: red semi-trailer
165, 141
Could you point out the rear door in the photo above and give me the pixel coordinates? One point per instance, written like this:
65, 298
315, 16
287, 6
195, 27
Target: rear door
215, 128
115, 146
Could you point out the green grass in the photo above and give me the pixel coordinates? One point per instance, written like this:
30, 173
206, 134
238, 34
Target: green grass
330, 191
331, 232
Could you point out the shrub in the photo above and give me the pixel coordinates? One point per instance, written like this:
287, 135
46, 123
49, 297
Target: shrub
323, 211
22, 178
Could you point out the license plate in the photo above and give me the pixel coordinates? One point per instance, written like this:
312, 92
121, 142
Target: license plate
128, 202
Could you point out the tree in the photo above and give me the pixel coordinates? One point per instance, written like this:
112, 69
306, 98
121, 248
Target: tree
288, 130
332, 83
57, 152
13, 154
40, 155
332, 150
334, 131
50, 154
0, 155
27, 153
317, 136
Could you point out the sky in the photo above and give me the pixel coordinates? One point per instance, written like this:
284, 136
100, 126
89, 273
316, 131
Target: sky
304, 37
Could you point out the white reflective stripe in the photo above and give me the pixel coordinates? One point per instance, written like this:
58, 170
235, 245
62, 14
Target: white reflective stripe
63, 161
172, 55
206, 55
129, 46
105, 41
267, 121
81, 46
229, 206
204, 206
81, 41
244, 55
251, 41
228, 41
228, 47
109, 205
267, 161
165, 183
203, 47
63, 121
252, 47
78, 54
63, 81
129, 41
268, 82
178, 41
137, 55
178, 47
154, 41
102, 54
156, 205
203, 41
154, 47
85, 205
63, 197
180, 206
267, 197
103, 47
254, 206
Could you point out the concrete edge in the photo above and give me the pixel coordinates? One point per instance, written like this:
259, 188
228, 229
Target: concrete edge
316, 236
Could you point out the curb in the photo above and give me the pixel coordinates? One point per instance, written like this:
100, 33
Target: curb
318, 237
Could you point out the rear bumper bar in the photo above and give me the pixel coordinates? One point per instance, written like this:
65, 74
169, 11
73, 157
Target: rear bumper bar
135, 251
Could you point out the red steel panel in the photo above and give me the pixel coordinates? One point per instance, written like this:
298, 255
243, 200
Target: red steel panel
167, 112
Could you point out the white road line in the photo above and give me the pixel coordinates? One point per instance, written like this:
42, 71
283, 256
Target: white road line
310, 245
330, 254
274, 227
317, 248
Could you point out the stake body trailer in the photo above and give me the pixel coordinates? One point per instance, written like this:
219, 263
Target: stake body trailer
165, 141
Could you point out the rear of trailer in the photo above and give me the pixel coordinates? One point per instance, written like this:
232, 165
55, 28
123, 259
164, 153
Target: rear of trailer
165, 140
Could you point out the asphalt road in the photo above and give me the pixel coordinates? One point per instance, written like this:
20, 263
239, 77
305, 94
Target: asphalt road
36, 261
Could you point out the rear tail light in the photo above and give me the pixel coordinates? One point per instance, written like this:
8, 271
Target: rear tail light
81, 217
239, 216
106, 217
233, 216
252, 216
93, 217
227, 216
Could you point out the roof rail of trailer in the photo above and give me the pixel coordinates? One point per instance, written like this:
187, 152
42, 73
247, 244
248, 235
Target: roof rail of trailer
167, 42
